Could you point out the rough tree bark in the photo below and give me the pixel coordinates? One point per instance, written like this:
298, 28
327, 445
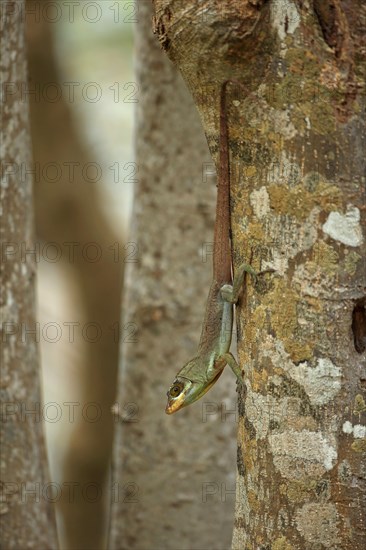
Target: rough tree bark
297, 139
169, 468
26, 512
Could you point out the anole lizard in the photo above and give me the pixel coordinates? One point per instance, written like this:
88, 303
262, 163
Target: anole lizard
201, 373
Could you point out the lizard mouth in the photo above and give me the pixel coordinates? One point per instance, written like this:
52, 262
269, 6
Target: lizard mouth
173, 406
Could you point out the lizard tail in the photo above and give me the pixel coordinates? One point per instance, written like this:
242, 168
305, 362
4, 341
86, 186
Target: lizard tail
222, 245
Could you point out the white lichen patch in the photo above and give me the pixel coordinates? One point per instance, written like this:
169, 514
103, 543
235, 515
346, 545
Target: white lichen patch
321, 382
357, 430
285, 17
265, 412
345, 228
302, 454
282, 123
347, 427
275, 350
284, 171
259, 200
317, 524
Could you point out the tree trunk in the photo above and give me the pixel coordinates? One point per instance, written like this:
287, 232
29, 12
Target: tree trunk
169, 468
297, 139
27, 513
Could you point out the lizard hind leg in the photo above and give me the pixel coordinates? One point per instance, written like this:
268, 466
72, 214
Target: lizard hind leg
230, 293
227, 293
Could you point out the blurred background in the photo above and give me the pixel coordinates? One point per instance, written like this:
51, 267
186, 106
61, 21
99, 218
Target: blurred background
82, 109
171, 482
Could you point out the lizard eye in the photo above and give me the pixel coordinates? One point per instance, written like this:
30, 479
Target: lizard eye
176, 390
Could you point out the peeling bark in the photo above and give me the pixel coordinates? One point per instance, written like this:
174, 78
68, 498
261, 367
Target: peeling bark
26, 511
297, 140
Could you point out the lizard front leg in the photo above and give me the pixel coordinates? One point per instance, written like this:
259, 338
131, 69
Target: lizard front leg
231, 361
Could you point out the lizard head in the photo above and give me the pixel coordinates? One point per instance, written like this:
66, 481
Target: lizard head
184, 391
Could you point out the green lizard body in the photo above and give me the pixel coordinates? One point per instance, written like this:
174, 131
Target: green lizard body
199, 374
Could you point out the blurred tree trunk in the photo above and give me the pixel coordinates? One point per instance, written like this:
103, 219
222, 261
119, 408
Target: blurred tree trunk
67, 211
26, 512
296, 111
169, 468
